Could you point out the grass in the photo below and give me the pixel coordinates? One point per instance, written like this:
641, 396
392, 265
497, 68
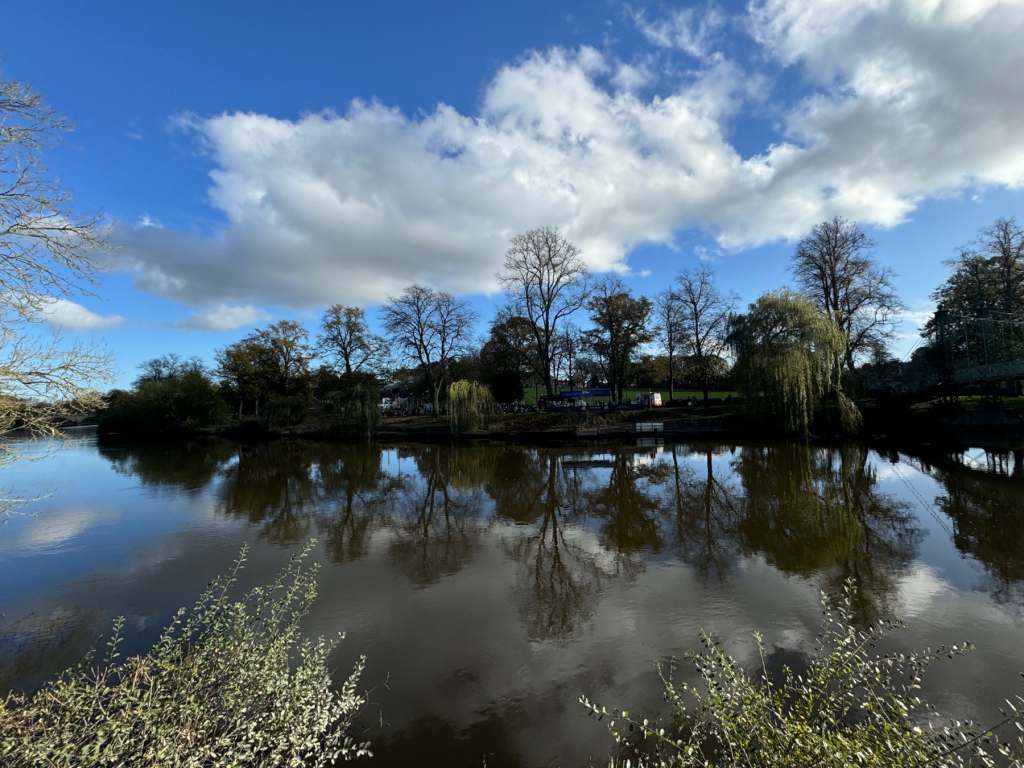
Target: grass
531, 394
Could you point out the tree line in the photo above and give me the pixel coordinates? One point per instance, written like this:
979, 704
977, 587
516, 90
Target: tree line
793, 350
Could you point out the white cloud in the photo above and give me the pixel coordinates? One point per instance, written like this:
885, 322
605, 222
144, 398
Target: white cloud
917, 317
225, 317
67, 314
691, 30
916, 97
910, 99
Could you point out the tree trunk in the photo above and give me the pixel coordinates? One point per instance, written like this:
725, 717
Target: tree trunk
671, 378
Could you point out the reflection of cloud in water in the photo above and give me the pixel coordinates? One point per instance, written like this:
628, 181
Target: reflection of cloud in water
55, 531
918, 590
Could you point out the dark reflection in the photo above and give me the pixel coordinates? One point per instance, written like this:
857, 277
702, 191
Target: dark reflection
988, 524
1002, 462
558, 579
181, 466
292, 490
818, 510
582, 516
357, 492
433, 741
436, 516
707, 511
629, 511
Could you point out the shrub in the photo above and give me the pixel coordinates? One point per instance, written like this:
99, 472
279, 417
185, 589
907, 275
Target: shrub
851, 707
229, 683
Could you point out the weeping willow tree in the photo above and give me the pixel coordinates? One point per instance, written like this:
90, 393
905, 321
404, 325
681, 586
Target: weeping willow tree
353, 405
470, 406
789, 356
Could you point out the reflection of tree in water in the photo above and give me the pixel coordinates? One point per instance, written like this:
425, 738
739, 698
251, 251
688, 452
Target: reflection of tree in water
292, 489
707, 511
630, 515
818, 510
558, 579
183, 466
360, 491
289, 489
272, 485
988, 524
436, 524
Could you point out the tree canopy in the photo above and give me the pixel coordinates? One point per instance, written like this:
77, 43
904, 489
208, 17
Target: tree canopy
788, 356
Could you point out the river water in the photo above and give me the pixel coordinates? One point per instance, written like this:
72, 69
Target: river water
490, 586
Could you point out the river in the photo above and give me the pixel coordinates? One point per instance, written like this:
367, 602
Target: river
490, 586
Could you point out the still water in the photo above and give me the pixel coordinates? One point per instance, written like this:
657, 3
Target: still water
491, 585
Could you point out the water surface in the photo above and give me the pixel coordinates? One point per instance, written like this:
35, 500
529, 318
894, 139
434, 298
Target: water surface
491, 585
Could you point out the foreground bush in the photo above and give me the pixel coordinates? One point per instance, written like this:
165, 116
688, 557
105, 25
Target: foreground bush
229, 683
851, 707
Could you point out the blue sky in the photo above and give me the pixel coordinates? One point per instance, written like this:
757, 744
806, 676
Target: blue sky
657, 136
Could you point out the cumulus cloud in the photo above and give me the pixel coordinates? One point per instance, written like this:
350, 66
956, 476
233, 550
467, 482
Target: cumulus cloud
905, 99
70, 315
224, 317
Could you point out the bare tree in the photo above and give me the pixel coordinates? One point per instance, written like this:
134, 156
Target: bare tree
431, 327
668, 312
568, 347
704, 322
345, 338
45, 256
547, 282
833, 268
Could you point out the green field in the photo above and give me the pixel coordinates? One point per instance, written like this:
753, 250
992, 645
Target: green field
531, 394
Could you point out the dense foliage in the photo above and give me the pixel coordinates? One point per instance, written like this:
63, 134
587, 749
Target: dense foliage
351, 402
979, 316
851, 707
171, 395
789, 357
620, 329
470, 405
229, 683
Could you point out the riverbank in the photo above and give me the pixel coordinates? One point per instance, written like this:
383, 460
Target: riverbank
941, 423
